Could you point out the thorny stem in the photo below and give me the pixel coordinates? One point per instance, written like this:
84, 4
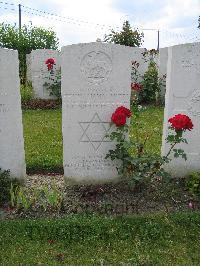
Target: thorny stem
172, 146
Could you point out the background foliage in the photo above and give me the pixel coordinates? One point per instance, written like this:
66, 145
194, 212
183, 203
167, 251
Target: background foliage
150, 84
53, 84
5, 184
26, 92
127, 36
25, 40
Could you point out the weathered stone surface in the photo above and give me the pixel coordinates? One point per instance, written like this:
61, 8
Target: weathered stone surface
96, 80
37, 71
11, 133
183, 96
137, 55
162, 64
28, 67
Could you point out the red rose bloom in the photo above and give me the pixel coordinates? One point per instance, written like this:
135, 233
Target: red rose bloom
118, 118
181, 122
124, 110
120, 115
136, 86
50, 61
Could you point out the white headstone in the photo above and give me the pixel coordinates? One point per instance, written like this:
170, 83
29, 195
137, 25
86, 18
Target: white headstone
137, 55
96, 79
183, 96
28, 67
163, 57
38, 71
11, 133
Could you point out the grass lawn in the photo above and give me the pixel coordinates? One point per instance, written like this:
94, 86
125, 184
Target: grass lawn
43, 140
43, 137
94, 240
151, 126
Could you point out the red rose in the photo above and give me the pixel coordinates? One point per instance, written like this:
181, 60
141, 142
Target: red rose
124, 110
181, 122
118, 118
120, 115
136, 86
50, 67
50, 61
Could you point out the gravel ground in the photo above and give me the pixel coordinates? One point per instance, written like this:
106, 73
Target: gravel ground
109, 199
35, 181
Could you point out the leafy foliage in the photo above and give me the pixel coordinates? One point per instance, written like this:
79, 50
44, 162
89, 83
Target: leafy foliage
127, 36
18, 198
25, 40
53, 83
151, 82
5, 184
45, 197
26, 92
140, 166
50, 198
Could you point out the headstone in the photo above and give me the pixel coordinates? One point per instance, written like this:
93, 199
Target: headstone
38, 73
183, 96
28, 67
137, 55
96, 79
11, 132
163, 57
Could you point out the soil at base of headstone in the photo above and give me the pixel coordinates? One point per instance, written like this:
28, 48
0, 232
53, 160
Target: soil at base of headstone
115, 199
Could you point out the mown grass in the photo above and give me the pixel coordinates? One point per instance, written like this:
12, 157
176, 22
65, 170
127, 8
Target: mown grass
43, 140
150, 126
160, 239
43, 137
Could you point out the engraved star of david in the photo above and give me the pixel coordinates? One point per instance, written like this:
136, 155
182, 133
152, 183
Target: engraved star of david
94, 131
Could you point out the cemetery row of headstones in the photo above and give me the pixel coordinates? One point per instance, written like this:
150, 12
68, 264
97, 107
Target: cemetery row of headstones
95, 80
38, 74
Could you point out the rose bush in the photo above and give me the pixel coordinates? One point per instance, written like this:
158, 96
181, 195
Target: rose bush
149, 84
53, 83
141, 166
